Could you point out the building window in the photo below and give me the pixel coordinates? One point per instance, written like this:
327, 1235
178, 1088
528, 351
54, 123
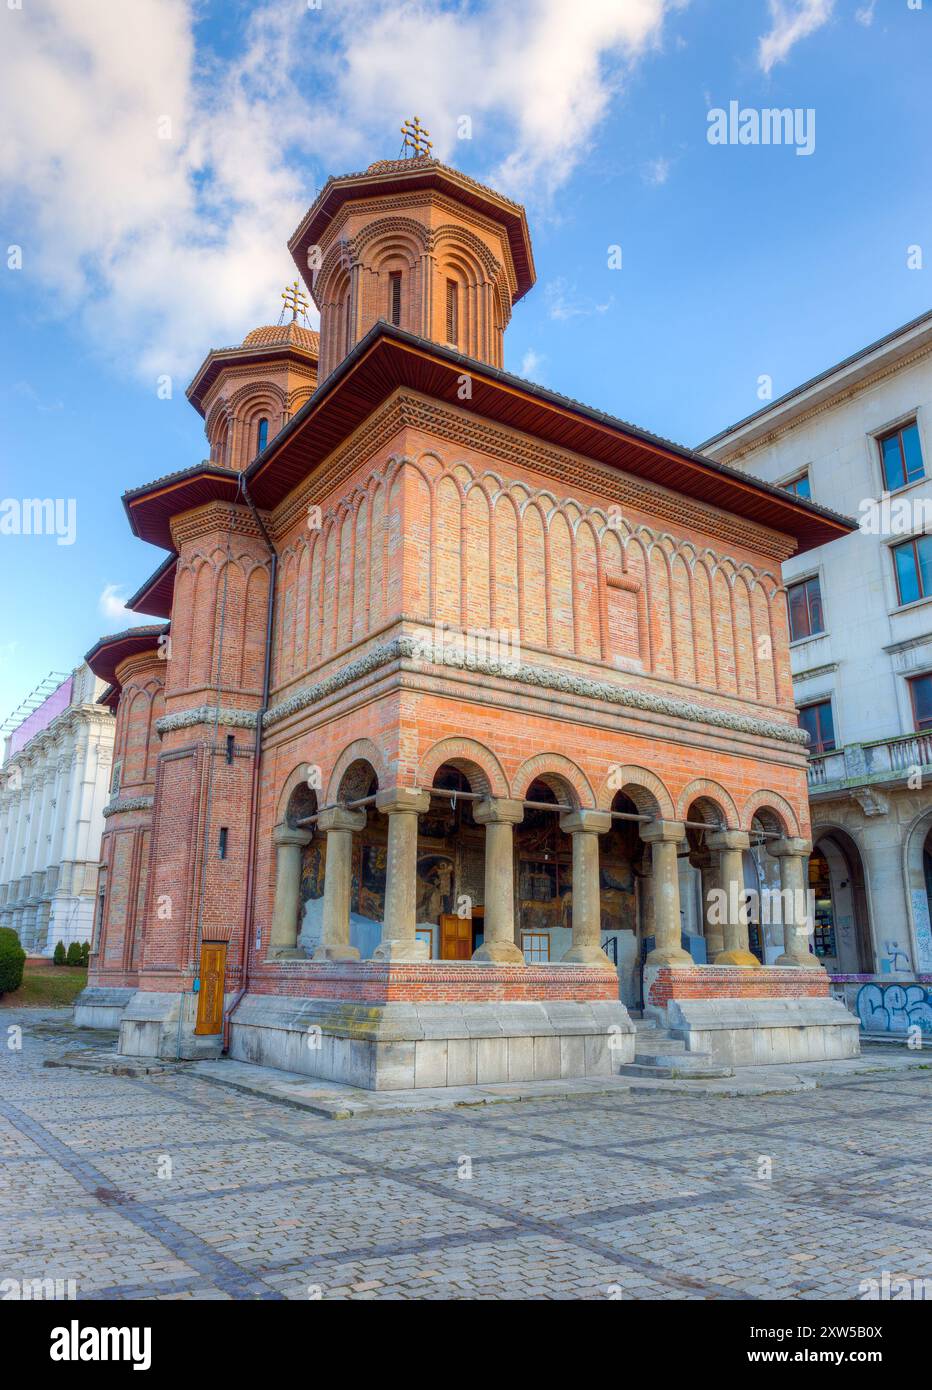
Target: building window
913, 563
263, 434
805, 602
222, 842
452, 312
799, 487
920, 690
901, 456
819, 725
348, 322
536, 947
394, 297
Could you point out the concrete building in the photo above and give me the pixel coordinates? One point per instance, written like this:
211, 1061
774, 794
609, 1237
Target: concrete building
858, 438
54, 787
456, 674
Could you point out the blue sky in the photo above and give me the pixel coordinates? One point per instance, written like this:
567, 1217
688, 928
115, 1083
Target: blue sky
144, 244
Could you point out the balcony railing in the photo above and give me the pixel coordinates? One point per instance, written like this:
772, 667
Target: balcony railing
885, 760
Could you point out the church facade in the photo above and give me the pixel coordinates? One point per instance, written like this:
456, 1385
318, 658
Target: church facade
450, 677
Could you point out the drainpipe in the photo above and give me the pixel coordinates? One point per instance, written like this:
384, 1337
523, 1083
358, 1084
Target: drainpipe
248, 909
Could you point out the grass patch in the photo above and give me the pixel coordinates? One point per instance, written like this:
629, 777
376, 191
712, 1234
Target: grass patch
47, 987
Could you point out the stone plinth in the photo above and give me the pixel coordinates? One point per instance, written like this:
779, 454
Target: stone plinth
752, 1017
400, 1045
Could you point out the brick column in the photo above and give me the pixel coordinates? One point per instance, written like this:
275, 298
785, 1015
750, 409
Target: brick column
730, 845
338, 825
585, 827
499, 818
793, 854
707, 864
289, 843
402, 805
664, 837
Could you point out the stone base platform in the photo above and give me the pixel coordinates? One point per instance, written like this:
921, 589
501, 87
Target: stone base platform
752, 1017
101, 1006
400, 1046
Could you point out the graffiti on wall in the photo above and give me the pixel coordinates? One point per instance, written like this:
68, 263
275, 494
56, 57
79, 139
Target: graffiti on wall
894, 1008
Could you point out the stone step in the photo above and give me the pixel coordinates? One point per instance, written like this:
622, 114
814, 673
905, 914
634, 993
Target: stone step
669, 1067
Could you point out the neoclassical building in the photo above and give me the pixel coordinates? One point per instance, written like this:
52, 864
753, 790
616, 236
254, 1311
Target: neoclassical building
451, 679
54, 786
858, 437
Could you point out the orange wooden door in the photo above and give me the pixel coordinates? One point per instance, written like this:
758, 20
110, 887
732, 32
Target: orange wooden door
455, 937
210, 998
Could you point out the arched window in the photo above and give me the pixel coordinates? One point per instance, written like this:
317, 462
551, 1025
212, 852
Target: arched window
262, 437
394, 297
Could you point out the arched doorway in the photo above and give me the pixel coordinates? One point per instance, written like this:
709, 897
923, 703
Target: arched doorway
450, 884
918, 867
841, 936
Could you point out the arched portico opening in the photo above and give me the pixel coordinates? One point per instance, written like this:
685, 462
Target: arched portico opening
918, 869
450, 885
841, 936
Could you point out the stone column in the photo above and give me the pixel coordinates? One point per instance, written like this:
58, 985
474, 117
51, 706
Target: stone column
730, 845
402, 805
289, 843
338, 825
707, 864
499, 818
793, 854
585, 827
664, 837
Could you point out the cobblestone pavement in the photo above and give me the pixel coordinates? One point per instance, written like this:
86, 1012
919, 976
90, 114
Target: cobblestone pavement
169, 1186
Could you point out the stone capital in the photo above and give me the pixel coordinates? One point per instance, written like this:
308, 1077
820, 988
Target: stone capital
585, 821
291, 835
728, 839
340, 818
496, 810
394, 800
662, 830
788, 845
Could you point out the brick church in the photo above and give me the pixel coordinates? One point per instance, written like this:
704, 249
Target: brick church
449, 679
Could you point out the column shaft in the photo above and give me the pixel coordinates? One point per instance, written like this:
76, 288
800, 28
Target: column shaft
664, 838
499, 818
793, 853
730, 845
399, 942
289, 845
338, 825
585, 827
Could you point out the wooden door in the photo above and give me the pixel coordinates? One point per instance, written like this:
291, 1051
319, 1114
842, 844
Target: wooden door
455, 937
210, 998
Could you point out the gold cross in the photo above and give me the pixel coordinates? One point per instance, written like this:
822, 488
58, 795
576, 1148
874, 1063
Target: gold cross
415, 137
295, 300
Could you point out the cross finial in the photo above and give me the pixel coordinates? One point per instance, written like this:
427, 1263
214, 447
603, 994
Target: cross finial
295, 300
416, 138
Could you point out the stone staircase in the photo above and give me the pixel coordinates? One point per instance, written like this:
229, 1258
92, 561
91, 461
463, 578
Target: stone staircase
663, 1057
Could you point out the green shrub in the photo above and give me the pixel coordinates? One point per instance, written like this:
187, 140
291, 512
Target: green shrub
12, 960
85, 953
74, 953
59, 955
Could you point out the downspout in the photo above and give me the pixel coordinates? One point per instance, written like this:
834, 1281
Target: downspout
248, 910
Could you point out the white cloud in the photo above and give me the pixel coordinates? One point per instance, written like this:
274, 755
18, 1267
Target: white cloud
159, 248
564, 302
865, 15
531, 364
656, 171
790, 21
110, 605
